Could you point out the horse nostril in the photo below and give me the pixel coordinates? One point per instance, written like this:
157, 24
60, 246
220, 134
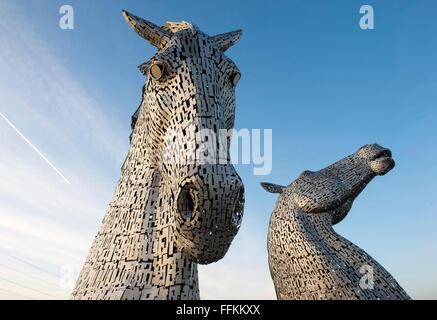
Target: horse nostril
186, 202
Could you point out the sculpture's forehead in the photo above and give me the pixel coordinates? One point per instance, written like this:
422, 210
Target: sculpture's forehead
188, 44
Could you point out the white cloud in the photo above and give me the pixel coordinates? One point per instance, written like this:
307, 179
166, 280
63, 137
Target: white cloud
39, 93
242, 274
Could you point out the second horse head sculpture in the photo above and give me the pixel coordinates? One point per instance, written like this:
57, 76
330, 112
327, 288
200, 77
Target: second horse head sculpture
307, 258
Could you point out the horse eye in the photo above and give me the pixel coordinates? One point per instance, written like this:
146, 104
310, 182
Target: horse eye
157, 70
235, 78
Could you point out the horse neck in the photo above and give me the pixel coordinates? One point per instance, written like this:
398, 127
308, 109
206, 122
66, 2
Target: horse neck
134, 255
170, 275
312, 234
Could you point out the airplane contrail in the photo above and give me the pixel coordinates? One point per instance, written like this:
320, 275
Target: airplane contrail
34, 148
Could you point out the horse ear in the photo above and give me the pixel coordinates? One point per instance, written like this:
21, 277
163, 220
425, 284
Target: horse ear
228, 39
156, 35
272, 188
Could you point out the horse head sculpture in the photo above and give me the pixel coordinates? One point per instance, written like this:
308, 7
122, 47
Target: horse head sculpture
189, 101
307, 258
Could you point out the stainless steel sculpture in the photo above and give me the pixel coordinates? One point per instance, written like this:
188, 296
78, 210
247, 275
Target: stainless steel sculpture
170, 210
307, 258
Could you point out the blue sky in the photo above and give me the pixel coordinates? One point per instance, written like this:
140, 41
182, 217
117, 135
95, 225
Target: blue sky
324, 86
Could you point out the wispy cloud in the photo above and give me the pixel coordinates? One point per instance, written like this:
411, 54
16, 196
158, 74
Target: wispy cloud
40, 94
43, 220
